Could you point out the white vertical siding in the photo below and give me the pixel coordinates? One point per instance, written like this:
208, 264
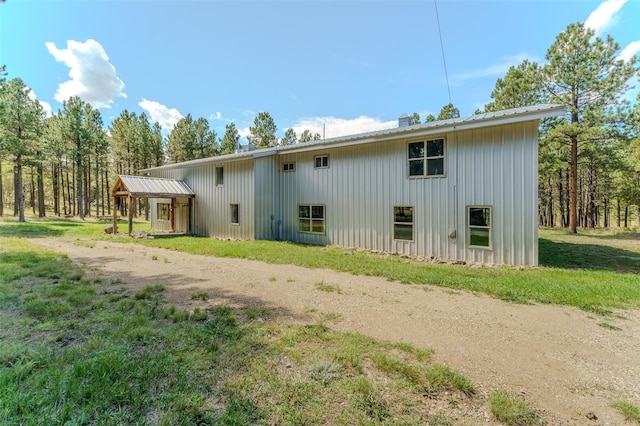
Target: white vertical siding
497, 167
212, 205
267, 198
157, 224
487, 166
494, 167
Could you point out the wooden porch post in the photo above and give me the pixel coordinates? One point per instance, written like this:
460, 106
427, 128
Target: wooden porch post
189, 216
130, 206
172, 207
115, 215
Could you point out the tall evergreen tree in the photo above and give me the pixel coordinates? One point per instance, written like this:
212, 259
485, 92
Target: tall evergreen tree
82, 127
191, 139
307, 136
448, 111
263, 131
206, 142
3, 79
583, 72
520, 87
230, 142
21, 121
290, 137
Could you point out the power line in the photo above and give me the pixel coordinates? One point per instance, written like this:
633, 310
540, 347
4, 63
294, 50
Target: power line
444, 61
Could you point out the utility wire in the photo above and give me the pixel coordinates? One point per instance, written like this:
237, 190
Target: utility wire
444, 61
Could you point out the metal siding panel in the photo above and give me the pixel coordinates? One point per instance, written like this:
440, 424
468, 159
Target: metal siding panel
494, 166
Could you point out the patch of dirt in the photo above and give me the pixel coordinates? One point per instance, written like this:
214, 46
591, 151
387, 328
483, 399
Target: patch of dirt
568, 364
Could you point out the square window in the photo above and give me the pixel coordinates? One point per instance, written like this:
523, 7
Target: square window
403, 223
480, 226
219, 176
311, 218
426, 158
321, 162
162, 212
235, 216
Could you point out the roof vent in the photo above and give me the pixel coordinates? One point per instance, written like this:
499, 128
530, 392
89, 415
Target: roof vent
404, 120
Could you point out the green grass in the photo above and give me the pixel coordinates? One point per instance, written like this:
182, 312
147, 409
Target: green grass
593, 270
603, 286
629, 410
76, 350
512, 411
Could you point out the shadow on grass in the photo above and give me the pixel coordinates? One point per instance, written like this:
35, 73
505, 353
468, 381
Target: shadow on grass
587, 256
33, 230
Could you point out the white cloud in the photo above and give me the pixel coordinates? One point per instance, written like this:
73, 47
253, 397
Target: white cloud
496, 70
93, 78
244, 133
604, 16
166, 116
336, 127
216, 116
632, 48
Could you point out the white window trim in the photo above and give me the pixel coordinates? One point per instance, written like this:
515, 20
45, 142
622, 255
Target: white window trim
489, 228
159, 209
216, 176
321, 156
425, 159
231, 212
292, 163
310, 218
412, 223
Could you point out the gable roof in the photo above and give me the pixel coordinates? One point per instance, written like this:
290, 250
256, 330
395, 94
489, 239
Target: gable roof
510, 116
150, 187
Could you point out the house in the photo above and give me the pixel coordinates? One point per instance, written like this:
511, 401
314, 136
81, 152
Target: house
463, 189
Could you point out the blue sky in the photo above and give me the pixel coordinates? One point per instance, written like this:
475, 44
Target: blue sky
353, 66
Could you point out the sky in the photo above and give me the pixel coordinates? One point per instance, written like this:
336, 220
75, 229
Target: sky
333, 67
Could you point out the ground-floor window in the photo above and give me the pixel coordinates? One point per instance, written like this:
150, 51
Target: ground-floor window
403, 223
311, 218
480, 226
235, 214
162, 211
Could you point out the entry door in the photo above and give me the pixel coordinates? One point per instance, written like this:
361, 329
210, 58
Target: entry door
181, 218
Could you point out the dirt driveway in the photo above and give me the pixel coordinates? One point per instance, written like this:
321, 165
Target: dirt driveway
563, 361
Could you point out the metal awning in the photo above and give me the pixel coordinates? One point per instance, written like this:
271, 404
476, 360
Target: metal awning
132, 187
151, 187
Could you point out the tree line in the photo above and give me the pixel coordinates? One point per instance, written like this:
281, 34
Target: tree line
589, 161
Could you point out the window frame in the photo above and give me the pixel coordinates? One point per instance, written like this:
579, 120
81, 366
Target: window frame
321, 157
289, 166
235, 215
425, 158
311, 219
219, 175
162, 208
488, 227
403, 223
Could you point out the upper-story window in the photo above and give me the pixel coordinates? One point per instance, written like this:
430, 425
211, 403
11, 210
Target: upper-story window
321, 162
426, 158
219, 176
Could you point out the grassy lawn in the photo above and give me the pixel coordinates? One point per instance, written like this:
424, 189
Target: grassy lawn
594, 270
80, 351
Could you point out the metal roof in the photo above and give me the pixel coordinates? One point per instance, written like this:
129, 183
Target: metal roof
143, 186
515, 115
